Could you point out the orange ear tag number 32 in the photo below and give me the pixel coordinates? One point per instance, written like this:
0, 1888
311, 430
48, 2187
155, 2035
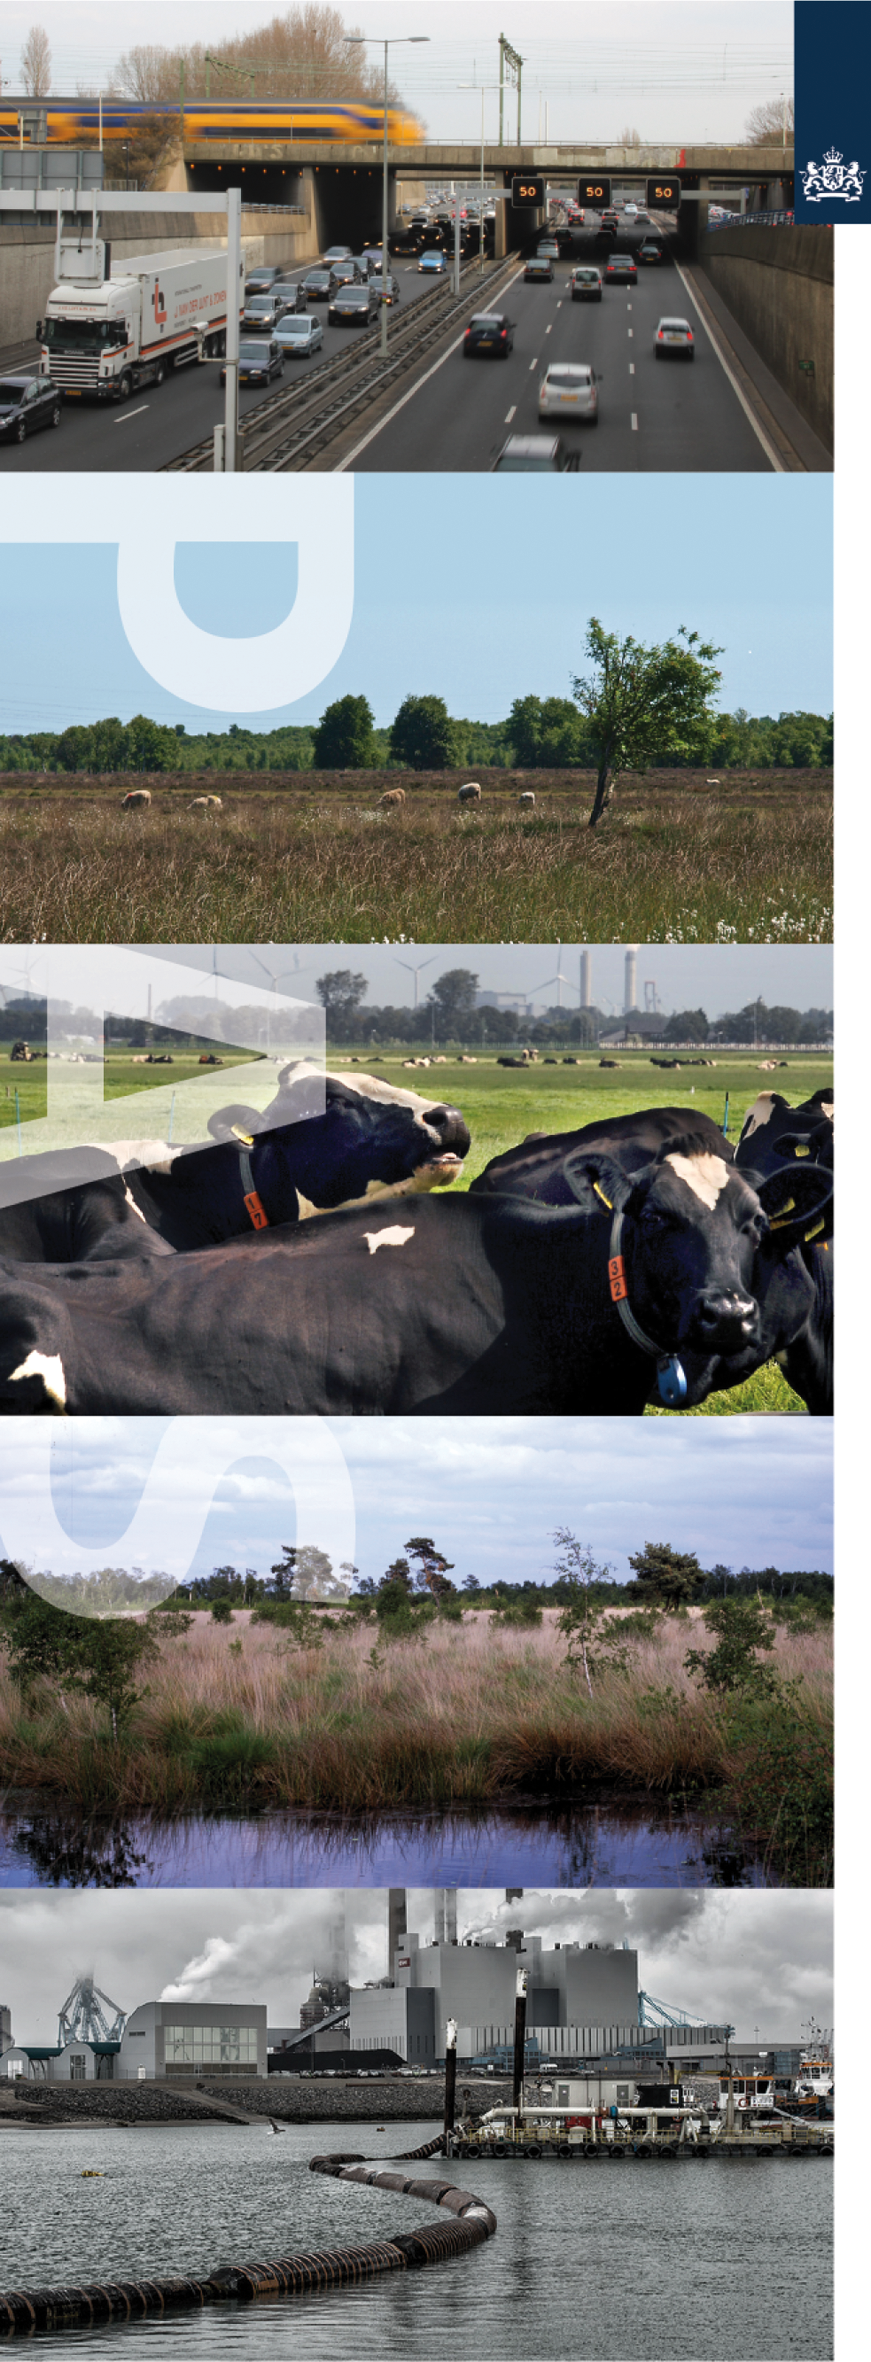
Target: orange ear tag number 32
617, 1279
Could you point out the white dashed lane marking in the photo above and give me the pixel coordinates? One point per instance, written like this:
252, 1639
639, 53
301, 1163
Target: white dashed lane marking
634, 417
632, 369
122, 421
511, 414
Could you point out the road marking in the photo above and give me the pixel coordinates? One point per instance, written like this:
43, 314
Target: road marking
634, 418
511, 414
632, 369
771, 455
533, 365
548, 328
378, 429
122, 421
630, 331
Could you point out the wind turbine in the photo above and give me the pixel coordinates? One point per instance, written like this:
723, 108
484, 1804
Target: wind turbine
559, 980
414, 969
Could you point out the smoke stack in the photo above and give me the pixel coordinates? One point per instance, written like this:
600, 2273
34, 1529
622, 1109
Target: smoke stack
586, 980
630, 994
519, 2037
397, 1924
450, 2073
445, 1914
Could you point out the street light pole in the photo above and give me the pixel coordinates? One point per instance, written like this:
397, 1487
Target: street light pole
359, 41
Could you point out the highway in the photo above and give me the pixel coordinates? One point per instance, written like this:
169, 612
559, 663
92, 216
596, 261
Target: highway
655, 416
664, 416
161, 421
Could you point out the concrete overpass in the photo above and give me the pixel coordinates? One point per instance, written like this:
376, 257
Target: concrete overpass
341, 184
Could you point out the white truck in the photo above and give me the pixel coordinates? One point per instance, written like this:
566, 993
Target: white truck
110, 329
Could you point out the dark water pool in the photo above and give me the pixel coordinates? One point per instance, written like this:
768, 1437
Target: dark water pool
612, 1843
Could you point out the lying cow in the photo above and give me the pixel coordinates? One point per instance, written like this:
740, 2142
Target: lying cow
474, 1305
261, 1170
774, 1134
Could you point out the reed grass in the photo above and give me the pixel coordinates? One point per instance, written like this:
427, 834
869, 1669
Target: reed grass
669, 863
452, 1717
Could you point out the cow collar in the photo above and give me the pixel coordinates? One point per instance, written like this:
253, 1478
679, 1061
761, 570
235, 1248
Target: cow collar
670, 1373
251, 1199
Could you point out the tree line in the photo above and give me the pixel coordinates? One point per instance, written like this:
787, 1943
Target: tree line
449, 1012
539, 734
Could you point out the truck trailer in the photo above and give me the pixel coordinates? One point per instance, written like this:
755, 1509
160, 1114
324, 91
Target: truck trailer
109, 329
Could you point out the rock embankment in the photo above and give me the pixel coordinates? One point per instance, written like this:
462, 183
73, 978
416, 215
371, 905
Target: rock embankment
289, 2099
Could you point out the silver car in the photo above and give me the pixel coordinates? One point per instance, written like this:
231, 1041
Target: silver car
674, 336
298, 335
569, 389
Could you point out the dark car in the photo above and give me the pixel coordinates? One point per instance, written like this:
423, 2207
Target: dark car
259, 281
489, 332
291, 293
318, 286
539, 266
650, 250
260, 358
26, 404
620, 270
345, 273
386, 290
353, 307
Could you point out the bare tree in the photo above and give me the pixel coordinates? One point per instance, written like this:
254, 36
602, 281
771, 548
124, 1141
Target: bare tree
764, 127
36, 63
300, 55
629, 137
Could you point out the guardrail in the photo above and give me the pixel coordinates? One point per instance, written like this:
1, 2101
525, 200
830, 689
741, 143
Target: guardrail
295, 423
741, 221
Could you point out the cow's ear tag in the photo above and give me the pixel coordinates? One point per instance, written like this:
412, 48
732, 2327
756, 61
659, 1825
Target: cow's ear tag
799, 1151
814, 1232
247, 1138
606, 1201
671, 1378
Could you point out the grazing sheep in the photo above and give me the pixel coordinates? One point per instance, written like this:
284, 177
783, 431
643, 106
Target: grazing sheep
206, 804
528, 796
470, 794
392, 795
136, 799
465, 1059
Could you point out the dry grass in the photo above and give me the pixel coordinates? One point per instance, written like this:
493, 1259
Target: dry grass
673, 861
242, 1716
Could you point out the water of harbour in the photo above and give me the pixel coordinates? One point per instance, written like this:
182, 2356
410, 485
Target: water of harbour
615, 1843
723, 2261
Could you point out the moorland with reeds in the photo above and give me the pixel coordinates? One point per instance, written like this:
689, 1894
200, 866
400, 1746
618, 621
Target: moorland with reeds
343, 1714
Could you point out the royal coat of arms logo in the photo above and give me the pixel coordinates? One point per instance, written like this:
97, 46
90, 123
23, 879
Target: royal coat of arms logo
833, 178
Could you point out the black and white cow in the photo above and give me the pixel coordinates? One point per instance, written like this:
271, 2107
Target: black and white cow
317, 1146
773, 1134
471, 1304
538, 1167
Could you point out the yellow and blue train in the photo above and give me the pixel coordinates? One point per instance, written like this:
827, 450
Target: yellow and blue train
75, 123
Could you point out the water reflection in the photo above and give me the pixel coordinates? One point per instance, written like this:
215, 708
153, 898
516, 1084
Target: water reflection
610, 1843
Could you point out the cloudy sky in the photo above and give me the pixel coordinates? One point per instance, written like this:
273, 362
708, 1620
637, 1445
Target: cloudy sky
490, 1492
752, 1959
457, 592
596, 70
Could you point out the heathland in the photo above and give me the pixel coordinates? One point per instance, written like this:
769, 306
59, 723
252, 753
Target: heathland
358, 1715
314, 857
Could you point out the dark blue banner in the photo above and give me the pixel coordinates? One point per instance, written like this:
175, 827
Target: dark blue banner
832, 125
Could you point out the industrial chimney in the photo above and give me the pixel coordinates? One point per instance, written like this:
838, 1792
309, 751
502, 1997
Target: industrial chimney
630, 994
397, 1924
586, 980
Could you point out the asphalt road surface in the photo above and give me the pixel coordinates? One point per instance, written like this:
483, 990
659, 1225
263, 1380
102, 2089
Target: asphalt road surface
669, 415
159, 422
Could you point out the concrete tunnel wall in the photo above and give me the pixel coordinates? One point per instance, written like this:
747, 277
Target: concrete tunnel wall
779, 284
27, 273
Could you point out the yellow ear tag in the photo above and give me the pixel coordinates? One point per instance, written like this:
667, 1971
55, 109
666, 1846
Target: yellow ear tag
813, 1233
605, 1200
247, 1138
801, 1152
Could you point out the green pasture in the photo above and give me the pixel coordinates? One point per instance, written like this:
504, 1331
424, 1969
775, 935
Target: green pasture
501, 1106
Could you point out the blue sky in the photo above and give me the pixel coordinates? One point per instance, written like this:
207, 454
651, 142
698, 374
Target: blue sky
458, 592
741, 1491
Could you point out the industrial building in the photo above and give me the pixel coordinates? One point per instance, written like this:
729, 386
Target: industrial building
196, 2040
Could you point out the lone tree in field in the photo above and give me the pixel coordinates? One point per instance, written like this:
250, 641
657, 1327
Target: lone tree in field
664, 1577
431, 1570
423, 735
645, 705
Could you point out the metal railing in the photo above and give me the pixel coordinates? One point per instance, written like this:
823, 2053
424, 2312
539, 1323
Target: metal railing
294, 424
